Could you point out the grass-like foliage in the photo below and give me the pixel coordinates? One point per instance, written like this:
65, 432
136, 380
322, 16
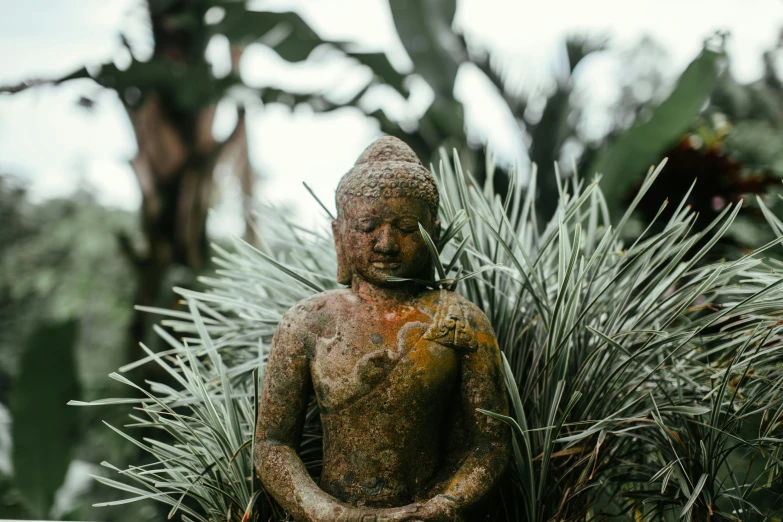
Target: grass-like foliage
645, 377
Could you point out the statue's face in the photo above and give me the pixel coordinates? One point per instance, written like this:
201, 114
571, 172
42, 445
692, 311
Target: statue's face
381, 238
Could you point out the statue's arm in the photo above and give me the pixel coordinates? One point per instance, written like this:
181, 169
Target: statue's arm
282, 410
488, 443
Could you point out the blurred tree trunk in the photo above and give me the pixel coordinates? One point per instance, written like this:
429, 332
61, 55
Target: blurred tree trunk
175, 167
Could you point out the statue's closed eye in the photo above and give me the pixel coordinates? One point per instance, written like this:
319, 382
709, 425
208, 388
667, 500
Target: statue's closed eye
366, 225
408, 225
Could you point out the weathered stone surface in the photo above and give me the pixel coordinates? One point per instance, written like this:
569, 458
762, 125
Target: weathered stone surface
398, 369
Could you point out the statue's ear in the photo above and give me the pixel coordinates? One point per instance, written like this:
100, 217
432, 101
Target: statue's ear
344, 274
436, 231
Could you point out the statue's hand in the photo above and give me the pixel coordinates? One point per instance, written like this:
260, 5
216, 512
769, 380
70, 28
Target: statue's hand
440, 508
451, 325
407, 513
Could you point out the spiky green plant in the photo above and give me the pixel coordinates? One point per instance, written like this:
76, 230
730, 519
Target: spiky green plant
645, 384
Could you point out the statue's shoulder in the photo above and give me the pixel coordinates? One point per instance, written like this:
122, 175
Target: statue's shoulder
308, 318
315, 308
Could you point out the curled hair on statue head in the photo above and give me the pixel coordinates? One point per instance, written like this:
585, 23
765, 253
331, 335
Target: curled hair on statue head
388, 169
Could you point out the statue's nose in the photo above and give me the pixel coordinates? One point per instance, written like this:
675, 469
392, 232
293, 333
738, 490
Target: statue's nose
386, 242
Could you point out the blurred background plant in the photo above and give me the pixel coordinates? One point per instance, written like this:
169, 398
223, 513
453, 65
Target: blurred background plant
75, 259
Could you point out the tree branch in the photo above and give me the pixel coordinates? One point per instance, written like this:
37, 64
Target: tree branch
13, 89
27, 84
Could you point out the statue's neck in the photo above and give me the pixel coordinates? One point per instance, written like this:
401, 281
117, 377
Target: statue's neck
383, 294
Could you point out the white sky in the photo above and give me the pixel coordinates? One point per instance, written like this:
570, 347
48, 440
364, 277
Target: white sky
46, 138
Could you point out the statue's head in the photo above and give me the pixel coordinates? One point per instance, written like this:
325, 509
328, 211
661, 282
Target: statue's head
380, 203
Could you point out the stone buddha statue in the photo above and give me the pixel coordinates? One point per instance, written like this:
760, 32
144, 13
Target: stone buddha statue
398, 369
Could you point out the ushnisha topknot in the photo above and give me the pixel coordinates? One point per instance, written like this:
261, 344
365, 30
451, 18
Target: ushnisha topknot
388, 168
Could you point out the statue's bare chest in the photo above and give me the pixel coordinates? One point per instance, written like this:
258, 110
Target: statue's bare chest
363, 350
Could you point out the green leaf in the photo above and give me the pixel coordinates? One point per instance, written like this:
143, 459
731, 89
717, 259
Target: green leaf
425, 31
285, 32
625, 161
382, 69
695, 495
43, 427
186, 86
433, 249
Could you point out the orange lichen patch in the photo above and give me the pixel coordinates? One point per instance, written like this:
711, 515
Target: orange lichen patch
432, 360
485, 339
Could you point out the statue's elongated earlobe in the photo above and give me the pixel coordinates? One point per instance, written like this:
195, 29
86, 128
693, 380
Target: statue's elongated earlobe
344, 274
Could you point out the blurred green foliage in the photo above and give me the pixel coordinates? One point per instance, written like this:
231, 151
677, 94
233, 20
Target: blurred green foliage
642, 129
751, 116
47, 376
60, 265
640, 147
731, 152
61, 260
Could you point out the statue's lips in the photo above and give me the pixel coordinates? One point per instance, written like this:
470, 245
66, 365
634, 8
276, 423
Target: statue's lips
387, 265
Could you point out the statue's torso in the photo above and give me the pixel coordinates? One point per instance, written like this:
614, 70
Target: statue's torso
385, 396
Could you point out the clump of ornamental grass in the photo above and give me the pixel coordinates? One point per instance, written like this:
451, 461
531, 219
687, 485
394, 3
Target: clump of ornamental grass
645, 382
